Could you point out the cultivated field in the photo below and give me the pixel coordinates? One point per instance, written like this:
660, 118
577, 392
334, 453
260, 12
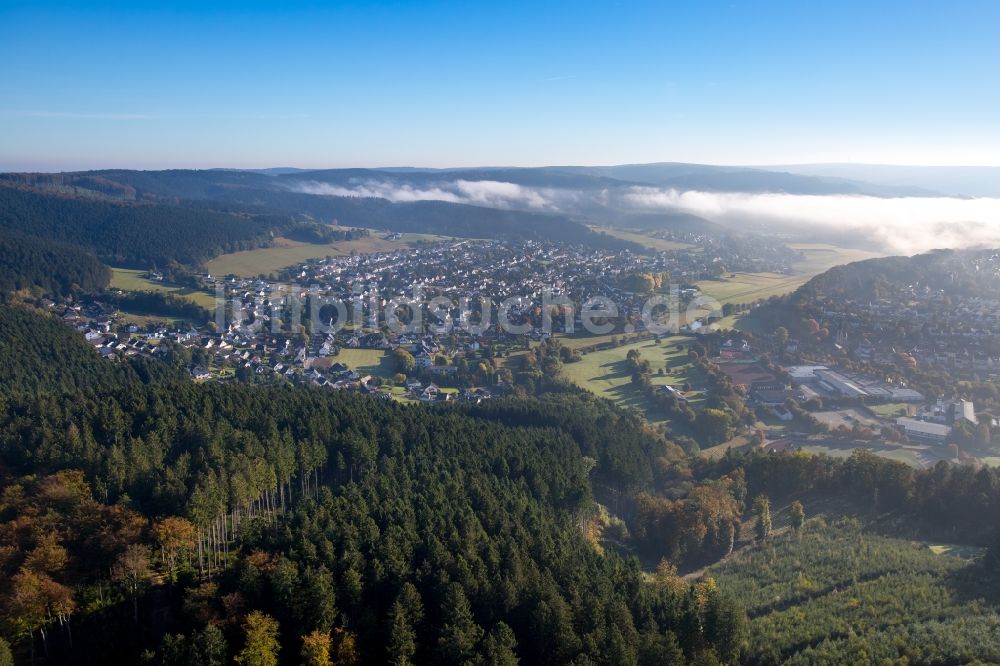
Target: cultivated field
748, 287
836, 594
128, 279
655, 244
286, 252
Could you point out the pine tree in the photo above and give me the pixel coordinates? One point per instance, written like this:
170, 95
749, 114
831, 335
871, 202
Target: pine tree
797, 513
402, 643
459, 634
316, 601
762, 511
500, 646
210, 645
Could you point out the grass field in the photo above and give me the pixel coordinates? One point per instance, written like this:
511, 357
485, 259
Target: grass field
287, 252
143, 320
128, 279
891, 410
606, 373
905, 456
747, 287
655, 244
845, 417
584, 339
956, 550
367, 361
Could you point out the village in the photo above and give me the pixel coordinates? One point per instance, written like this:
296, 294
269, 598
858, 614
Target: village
326, 321
262, 334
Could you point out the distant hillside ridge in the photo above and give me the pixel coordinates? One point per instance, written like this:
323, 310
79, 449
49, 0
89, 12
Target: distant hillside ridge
965, 272
52, 268
130, 234
256, 203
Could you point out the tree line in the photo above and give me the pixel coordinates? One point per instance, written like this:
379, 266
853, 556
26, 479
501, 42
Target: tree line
147, 518
46, 267
135, 234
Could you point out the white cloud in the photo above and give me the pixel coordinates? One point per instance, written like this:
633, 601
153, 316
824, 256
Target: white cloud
490, 193
905, 225
500, 194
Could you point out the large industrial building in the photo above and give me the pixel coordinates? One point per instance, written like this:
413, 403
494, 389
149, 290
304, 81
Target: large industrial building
924, 431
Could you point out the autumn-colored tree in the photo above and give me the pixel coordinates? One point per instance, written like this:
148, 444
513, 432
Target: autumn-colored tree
261, 646
345, 647
316, 649
704, 590
35, 601
666, 577
59, 603
6, 658
47, 557
132, 571
177, 537
64, 489
26, 607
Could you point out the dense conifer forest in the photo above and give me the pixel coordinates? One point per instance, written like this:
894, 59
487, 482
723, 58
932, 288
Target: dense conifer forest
130, 234
196, 523
36, 264
397, 533
203, 205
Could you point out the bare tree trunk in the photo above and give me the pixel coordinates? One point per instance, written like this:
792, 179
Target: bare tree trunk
201, 550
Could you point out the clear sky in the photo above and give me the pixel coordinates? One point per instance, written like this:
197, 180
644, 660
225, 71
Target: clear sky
247, 84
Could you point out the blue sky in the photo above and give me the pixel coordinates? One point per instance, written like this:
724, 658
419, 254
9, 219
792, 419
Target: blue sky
455, 84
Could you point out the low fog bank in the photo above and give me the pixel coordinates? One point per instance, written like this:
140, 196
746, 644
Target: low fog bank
904, 225
899, 225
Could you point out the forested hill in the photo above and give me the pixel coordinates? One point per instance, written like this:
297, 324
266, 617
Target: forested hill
445, 219
254, 192
30, 263
952, 272
40, 356
132, 234
388, 533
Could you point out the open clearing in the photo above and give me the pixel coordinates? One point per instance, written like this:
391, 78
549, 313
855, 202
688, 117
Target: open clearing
911, 457
847, 418
605, 372
286, 252
366, 361
655, 244
892, 410
956, 550
748, 287
128, 279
